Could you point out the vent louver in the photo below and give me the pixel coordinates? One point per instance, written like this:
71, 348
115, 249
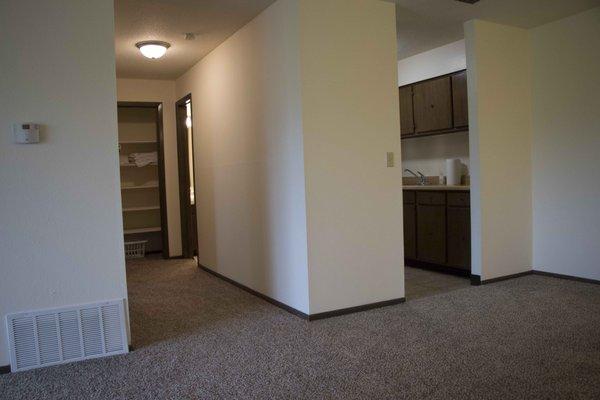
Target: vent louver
50, 337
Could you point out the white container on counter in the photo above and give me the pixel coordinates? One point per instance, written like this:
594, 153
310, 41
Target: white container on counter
453, 171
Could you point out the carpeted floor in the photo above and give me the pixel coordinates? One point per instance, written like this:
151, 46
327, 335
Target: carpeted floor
197, 337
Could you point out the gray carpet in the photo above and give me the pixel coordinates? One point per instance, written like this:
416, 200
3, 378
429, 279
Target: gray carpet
197, 337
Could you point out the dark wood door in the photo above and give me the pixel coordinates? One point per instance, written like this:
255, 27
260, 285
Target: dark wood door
459, 237
407, 125
410, 226
185, 157
432, 105
459, 100
193, 231
431, 233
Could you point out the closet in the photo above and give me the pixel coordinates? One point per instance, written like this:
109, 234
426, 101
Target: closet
142, 175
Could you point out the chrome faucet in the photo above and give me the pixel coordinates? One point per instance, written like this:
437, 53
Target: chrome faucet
422, 178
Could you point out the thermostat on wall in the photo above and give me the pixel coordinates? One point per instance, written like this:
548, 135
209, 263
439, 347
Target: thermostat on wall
26, 133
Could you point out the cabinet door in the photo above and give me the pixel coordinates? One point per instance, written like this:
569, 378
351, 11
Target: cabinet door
432, 105
410, 231
460, 104
459, 237
431, 233
407, 125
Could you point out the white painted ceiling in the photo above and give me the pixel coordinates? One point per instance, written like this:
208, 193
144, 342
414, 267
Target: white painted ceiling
212, 21
422, 25
426, 24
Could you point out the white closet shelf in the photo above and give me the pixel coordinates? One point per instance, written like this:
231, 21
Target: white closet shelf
137, 142
146, 186
148, 208
143, 230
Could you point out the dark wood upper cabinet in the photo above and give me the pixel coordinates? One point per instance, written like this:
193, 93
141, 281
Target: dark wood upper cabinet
407, 125
432, 105
460, 105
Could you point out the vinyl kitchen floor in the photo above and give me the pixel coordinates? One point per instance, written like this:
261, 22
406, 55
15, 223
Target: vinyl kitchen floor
421, 283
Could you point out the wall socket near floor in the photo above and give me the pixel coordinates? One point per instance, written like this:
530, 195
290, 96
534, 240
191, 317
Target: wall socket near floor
390, 159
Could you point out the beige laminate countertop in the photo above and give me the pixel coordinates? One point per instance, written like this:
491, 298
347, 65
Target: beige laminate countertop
436, 187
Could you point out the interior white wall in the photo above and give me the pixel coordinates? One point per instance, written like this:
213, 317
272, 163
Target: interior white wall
249, 157
435, 62
428, 154
350, 120
163, 92
61, 231
500, 121
566, 145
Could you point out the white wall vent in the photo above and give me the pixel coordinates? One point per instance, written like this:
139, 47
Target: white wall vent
56, 336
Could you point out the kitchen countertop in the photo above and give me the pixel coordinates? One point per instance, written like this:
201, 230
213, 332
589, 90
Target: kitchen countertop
436, 187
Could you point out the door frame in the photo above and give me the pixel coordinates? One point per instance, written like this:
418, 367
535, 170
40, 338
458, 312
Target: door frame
184, 176
160, 140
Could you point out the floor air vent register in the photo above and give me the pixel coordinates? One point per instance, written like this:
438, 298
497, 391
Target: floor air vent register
57, 336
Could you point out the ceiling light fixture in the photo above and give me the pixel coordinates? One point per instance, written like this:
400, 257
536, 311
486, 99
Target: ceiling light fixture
153, 48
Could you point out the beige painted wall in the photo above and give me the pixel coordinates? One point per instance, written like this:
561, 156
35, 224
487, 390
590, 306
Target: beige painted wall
566, 145
350, 120
163, 92
499, 80
61, 239
275, 110
249, 163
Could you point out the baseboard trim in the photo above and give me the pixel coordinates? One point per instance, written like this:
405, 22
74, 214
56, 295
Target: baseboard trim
477, 281
567, 277
352, 310
5, 369
271, 300
298, 313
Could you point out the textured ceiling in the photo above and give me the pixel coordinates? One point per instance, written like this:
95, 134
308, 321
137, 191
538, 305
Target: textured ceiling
212, 21
422, 25
425, 24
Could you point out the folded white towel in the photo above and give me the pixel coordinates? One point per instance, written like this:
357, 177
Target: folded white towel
143, 159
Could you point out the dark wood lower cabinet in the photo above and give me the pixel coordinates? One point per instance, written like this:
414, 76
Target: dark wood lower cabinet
459, 237
410, 230
437, 230
431, 233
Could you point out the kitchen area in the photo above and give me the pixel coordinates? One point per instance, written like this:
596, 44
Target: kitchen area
436, 192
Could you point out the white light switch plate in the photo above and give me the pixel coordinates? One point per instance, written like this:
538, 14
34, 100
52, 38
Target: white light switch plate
390, 159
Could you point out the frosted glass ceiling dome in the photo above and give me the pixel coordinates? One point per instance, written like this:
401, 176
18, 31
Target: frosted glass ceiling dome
153, 49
